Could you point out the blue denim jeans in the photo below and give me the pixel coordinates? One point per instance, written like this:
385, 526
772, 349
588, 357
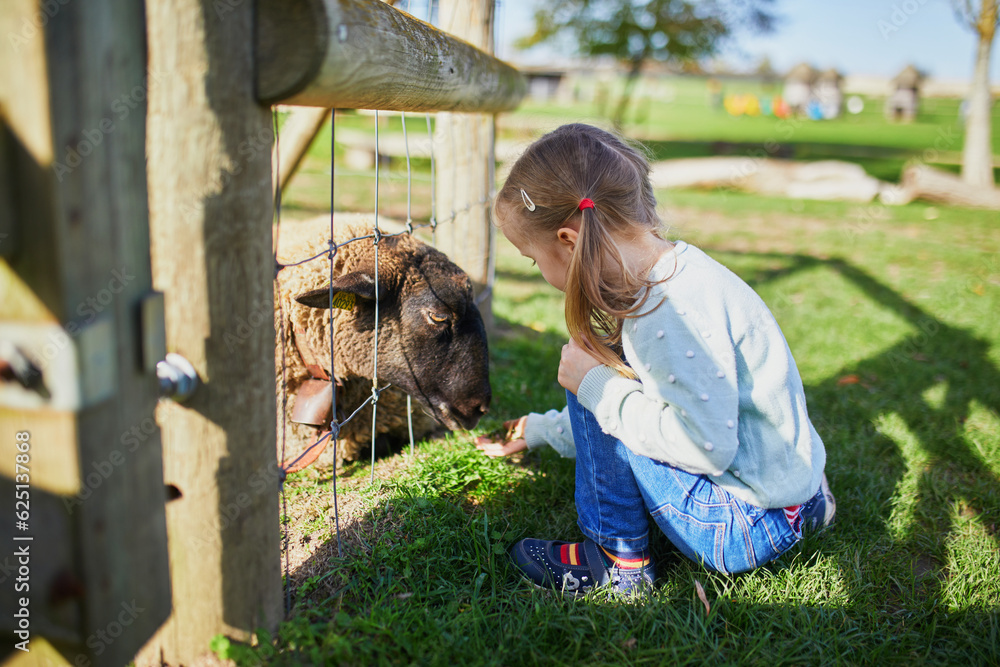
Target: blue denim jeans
617, 489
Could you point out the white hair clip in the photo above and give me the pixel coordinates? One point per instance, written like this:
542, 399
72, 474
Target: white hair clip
528, 204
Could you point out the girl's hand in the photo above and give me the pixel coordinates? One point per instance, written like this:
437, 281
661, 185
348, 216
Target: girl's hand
576, 362
512, 443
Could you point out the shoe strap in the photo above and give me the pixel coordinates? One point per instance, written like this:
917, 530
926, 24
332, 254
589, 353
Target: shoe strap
595, 562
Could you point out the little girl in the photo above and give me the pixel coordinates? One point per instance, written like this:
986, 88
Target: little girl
683, 400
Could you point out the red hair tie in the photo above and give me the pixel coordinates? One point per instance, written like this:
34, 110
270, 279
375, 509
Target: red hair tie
586, 203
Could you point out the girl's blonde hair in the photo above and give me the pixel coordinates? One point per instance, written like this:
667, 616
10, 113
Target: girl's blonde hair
554, 174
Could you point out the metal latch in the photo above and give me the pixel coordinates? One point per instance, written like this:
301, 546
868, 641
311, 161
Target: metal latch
58, 369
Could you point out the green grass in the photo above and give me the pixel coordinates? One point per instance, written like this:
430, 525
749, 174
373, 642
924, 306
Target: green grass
891, 314
677, 108
674, 119
354, 189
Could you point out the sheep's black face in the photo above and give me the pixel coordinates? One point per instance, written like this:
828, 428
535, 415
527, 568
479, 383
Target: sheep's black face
432, 342
443, 346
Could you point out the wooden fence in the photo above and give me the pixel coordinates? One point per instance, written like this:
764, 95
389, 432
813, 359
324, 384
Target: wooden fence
154, 525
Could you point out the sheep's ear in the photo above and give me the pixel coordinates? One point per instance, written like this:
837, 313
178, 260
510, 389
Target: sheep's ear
357, 285
317, 298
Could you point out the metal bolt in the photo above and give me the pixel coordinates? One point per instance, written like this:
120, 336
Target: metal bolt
15, 366
178, 378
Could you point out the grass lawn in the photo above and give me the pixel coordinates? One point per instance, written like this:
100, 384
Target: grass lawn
891, 314
674, 120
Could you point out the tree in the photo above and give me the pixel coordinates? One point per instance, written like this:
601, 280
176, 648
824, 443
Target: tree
635, 31
977, 154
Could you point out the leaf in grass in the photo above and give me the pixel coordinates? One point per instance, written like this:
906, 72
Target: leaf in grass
701, 595
629, 643
220, 645
848, 379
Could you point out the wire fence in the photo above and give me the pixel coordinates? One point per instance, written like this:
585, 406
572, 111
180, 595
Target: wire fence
433, 223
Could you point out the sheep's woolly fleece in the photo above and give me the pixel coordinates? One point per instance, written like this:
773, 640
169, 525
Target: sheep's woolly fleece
353, 354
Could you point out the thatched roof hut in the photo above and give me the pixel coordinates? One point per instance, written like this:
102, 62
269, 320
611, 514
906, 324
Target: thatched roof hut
904, 99
830, 77
799, 87
909, 79
829, 94
801, 73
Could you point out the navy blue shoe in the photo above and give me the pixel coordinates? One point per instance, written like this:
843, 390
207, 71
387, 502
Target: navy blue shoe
544, 563
820, 511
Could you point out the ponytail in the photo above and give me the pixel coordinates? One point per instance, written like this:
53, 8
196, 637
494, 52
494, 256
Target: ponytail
582, 172
596, 308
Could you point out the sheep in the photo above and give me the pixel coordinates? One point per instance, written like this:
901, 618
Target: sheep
432, 342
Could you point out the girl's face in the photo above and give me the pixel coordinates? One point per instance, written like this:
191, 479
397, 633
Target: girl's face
552, 255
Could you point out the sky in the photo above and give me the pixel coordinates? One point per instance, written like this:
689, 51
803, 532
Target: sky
875, 37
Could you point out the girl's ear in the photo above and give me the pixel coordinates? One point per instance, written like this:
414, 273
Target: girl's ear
568, 236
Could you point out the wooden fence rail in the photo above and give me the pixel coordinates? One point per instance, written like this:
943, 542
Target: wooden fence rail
360, 54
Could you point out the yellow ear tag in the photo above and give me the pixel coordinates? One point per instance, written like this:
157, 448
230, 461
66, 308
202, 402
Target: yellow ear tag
343, 300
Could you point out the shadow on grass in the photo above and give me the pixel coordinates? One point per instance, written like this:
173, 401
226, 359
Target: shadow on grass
867, 467
519, 356
440, 541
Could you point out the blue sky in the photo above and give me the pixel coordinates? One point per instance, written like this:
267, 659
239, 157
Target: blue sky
856, 36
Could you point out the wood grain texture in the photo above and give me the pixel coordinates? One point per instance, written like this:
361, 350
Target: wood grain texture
8, 230
82, 255
209, 164
359, 54
464, 159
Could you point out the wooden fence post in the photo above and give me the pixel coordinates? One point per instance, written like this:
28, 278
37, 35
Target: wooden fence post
74, 282
76, 266
464, 160
209, 164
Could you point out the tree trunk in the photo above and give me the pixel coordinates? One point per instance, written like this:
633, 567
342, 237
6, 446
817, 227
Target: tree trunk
633, 75
977, 158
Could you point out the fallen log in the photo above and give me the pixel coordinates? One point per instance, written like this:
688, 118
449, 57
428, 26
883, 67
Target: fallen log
826, 179
943, 187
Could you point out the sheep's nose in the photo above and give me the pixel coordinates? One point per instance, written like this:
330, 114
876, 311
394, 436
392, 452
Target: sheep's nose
470, 410
474, 407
